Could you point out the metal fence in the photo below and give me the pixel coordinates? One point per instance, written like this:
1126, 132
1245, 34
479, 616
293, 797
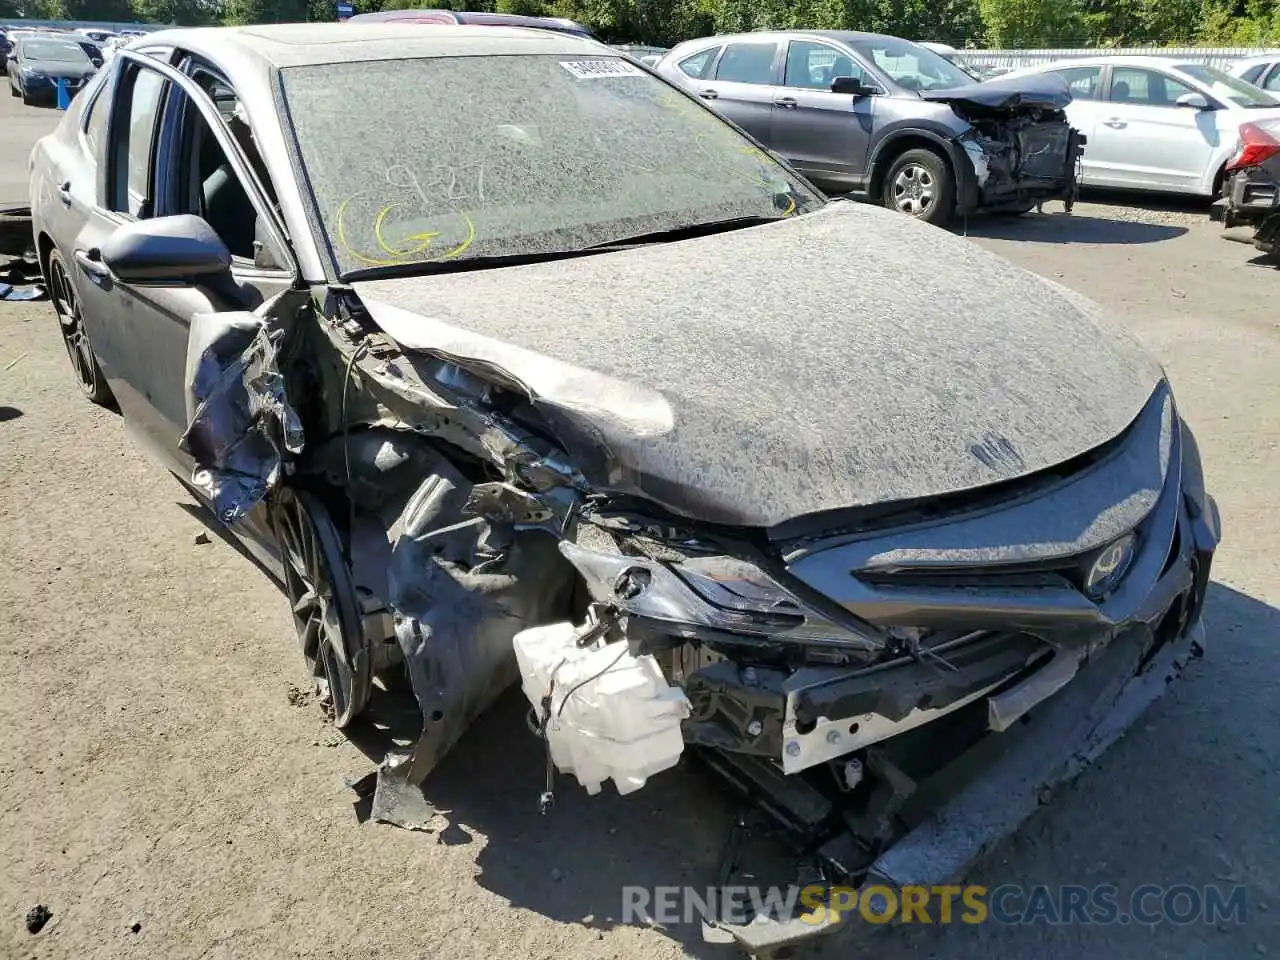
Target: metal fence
1015, 59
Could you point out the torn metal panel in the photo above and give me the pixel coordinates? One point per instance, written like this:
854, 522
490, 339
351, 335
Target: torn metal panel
241, 425
459, 591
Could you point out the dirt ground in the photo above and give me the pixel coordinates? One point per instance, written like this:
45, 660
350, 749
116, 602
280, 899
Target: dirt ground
163, 793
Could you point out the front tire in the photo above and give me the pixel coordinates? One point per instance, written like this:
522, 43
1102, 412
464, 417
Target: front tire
326, 611
66, 305
920, 184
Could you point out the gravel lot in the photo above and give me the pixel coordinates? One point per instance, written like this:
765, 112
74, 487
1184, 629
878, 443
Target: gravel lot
164, 795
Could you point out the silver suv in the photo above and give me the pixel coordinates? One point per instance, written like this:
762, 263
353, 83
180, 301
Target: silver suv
889, 119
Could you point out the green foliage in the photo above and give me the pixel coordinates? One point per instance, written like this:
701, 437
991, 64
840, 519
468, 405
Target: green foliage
995, 23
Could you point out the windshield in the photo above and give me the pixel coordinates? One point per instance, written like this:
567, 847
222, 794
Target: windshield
910, 66
1227, 87
57, 50
450, 158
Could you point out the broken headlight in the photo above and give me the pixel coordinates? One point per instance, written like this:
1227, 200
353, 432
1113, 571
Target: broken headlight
717, 593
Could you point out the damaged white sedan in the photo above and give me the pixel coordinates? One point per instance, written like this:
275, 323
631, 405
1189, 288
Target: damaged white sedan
520, 365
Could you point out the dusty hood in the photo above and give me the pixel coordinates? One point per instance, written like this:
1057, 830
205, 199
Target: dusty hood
1046, 91
846, 358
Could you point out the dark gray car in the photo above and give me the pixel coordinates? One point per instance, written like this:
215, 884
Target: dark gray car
36, 64
888, 118
556, 360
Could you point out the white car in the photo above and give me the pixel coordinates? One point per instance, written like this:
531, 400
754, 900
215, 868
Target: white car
1262, 72
1157, 123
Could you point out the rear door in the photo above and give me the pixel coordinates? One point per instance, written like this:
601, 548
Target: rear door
825, 135
743, 85
170, 152
1144, 140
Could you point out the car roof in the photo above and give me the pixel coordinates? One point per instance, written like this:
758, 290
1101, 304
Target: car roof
1123, 60
847, 36
297, 44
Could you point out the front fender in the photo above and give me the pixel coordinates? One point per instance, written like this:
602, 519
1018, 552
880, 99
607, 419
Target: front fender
890, 145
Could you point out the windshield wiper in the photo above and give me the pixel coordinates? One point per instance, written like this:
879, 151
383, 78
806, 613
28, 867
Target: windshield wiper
425, 268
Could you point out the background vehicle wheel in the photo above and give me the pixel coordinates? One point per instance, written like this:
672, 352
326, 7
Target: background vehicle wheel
74, 336
920, 185
13, 91
325, 608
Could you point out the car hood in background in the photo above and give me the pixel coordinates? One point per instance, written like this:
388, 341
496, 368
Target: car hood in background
1045, 91
846, 358
61, 68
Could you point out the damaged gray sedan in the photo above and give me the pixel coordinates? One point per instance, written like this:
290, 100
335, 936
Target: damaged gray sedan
519, 365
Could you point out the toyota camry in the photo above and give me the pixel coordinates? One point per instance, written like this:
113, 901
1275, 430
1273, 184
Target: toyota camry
518, 365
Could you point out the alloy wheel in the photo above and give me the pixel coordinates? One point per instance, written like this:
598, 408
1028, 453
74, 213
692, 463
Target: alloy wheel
914, 189
323, 602
71, 324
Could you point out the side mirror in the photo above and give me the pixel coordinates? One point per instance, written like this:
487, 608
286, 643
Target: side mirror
1194, 101
165, 250
854, 86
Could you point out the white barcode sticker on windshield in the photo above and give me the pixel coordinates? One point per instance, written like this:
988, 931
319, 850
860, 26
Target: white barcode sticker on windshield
590, 69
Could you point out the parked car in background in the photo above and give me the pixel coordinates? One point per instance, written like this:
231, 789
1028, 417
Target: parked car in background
1262, 72
91, 49
37, 63
1251, 188
952, 54
552, 375
96, 35
1156, 123
888, 119
555, 24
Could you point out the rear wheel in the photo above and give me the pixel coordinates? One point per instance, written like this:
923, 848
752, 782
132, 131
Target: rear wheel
74, 336
920, 185
325, 608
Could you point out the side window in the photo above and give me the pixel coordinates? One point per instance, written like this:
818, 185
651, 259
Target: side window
747, 63
133, 141
1147, 87
697, 65
1083, 81
95, 127
1273, 80
1253, 73
814, 65
208, 186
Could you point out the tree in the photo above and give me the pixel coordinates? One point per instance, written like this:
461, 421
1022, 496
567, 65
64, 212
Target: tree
1031, 23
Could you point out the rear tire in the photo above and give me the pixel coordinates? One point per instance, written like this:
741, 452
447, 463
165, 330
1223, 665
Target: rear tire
919, 184
66, 306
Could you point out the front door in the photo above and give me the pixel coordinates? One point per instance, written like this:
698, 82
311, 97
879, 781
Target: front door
163, 158
825, 135
1143, 139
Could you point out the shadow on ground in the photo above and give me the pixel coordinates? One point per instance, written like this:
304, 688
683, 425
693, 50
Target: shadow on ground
1168, 787
1059, 227
9, 413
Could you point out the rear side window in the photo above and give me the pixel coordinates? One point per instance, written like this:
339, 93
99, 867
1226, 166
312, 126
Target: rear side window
95, 128
1273, 81
1253, 73
133, 139
747, 63
699, 64
1083, 81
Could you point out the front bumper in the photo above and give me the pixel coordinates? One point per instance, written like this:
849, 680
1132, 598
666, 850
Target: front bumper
991, 787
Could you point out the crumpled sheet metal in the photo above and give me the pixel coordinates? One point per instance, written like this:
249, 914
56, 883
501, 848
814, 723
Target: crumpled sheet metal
459, 592
241, 426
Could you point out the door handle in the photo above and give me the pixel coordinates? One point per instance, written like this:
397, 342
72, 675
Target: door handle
708, 94
64, 192
90, 261
788, 103
1115, 123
